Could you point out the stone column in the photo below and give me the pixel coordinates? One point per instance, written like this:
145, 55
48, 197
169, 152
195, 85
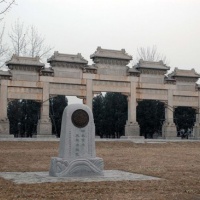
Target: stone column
4, 122
169, 128
89, 93
132, 128
44, 128
196, 128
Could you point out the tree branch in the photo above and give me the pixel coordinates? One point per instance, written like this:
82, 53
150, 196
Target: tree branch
150, 54
7, 6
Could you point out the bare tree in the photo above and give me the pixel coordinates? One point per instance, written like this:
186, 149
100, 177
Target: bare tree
18, 38
5, 5
150, 54
36, 43
3, 48
28, 41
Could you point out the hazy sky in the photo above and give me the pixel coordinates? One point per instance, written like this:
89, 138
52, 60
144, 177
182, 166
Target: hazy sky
73, 26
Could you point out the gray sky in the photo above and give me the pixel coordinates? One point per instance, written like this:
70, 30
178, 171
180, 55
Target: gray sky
79, 26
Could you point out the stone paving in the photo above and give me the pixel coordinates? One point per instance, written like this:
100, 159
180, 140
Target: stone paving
105, 140
43, 177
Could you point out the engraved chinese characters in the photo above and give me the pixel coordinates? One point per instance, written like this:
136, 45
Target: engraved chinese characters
80, 143
77, 155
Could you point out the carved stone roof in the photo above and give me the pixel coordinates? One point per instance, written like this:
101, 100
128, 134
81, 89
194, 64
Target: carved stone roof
168, 78
107, 53
46, 71
133, 70
49, 70
28, 61
91, 67
152, 65
5, 73
184, 73
70, 58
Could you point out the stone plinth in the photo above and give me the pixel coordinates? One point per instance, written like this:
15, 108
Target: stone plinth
196, 130
44, 128
169, 130
77, 155
132, 129
4, 128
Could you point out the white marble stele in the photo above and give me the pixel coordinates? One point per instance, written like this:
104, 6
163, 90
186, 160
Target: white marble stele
77, 155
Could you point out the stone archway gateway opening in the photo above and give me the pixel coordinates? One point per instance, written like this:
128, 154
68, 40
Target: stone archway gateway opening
23, 116
150, 116
184, 118
70, 75
57, 105
110, 111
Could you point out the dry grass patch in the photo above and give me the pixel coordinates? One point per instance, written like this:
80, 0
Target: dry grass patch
178, 164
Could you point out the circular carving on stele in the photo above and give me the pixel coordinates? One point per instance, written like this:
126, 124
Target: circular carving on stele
80, 118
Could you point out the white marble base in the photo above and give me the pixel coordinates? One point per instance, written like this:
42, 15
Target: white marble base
76, 168
43, 177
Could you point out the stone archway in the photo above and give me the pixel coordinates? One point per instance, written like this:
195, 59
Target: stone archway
71, 75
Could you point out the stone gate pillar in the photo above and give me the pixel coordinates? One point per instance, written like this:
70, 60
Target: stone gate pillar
132, 127
196, 128
169, 128
89, 93
44, 128
4, 122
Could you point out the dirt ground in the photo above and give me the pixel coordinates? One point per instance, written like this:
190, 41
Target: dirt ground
178, 164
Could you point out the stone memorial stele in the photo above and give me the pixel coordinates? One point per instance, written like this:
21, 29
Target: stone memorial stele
77, 155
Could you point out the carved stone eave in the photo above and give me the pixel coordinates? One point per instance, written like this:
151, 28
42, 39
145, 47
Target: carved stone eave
156, 65
25, 67
47, 72
67, 64
90, 70
152, 71
67, 58
5, 75
186, 79
136, 74
133, 72
110, 54
111, 61
28, 63
182, 75
169, 80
